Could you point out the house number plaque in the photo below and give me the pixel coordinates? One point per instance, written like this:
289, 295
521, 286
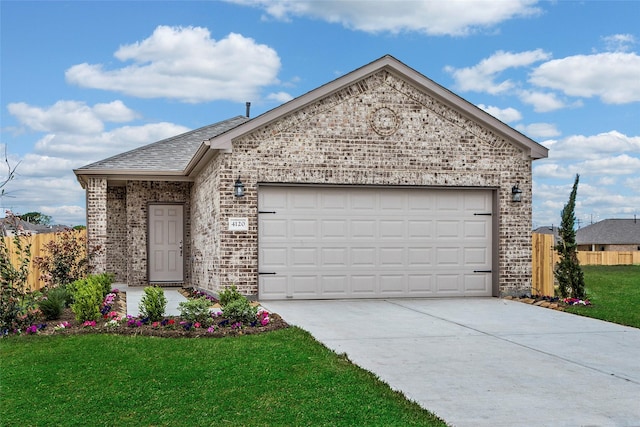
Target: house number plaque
238, 224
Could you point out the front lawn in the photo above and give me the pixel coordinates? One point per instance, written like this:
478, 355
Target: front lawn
614, 292
280, 378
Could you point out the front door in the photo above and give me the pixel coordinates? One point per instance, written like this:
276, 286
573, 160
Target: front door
166, 224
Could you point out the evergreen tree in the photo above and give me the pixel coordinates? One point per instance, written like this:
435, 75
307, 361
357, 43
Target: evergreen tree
568, 272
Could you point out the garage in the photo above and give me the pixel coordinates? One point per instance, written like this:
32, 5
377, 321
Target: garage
373, 242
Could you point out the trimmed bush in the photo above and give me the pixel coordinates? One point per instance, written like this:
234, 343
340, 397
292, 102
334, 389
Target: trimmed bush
196, 310
87, 299
228, 294
153, 303
240, 310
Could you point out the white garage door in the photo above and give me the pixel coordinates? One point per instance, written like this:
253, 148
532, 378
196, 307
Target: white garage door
347, 242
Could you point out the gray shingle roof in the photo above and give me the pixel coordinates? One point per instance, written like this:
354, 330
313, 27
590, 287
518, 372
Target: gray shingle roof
610, 232
171, 154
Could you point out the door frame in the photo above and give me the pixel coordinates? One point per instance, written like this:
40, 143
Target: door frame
149, 228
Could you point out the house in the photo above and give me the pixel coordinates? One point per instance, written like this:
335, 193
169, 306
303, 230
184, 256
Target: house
8, 227
378, 184
549, 229
610, 235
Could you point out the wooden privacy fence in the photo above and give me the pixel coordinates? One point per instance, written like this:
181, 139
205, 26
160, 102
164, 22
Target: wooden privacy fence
544, 259
38, 243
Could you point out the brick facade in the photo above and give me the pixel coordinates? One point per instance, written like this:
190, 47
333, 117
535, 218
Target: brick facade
378, 131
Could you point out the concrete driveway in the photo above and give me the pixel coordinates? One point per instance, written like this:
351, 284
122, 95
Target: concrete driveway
486, 361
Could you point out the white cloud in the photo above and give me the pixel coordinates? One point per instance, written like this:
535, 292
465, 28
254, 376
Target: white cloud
280, 97
481, 77
185, 63
576, 147
542, 102
115, 112
619, 42
539, 130
429, 17
506, 115
616, 165
104, 144
613, 77
63, 116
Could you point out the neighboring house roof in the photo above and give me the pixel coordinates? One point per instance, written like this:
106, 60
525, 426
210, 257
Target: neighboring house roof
548, 229
610, 232
389, 63
169, 155
7, 227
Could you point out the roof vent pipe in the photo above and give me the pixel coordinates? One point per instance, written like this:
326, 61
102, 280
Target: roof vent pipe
248, 104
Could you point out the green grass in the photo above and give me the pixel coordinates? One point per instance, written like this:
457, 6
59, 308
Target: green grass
614, 292
283, 378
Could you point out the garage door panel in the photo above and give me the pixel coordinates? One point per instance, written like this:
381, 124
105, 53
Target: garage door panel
392, 257
392, 229
363, 285
446, 229
392, 284
304, 257
448, 257
420, 257
334, 257
448, 284
419, 285
363, 257
304, 229
351, 242
334, 285
333, 229
273, 229
420, 229
476, 284
363, 229
476, 257
273, 257
476, 229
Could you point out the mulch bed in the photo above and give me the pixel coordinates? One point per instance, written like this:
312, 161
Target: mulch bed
174, 330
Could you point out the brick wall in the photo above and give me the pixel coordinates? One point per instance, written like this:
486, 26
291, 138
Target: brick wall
378, 131
117, 251
97, 222
139, 195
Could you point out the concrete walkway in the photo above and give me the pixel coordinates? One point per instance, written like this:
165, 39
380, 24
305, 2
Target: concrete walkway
485, 361
134, 296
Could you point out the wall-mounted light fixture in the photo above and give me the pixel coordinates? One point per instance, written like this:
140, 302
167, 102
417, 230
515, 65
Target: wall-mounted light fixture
516, 193
238, 188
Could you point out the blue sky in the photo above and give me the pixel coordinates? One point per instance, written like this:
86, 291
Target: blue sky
81, 81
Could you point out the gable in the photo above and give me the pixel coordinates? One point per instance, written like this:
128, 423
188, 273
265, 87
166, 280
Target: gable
393, 77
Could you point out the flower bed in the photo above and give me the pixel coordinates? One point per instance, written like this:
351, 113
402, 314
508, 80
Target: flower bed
115, 321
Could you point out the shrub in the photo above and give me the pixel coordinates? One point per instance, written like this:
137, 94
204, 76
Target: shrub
87, 299
153, 303
196, 310
66, 258
240, 310
53, 304
17, 308
105, 280
228, 294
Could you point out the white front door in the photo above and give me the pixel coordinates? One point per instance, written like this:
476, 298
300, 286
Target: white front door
166, 223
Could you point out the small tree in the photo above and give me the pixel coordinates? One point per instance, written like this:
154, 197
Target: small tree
65, 258
568, 272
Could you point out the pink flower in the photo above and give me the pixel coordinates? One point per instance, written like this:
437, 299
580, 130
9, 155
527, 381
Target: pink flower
89, 324
196, 325
264, 321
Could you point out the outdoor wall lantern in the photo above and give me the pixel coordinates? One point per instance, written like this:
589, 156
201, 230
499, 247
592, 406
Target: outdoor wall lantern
238, 188
516, 193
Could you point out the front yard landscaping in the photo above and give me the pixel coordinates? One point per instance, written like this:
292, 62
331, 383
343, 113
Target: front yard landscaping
282, 377
614, 293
